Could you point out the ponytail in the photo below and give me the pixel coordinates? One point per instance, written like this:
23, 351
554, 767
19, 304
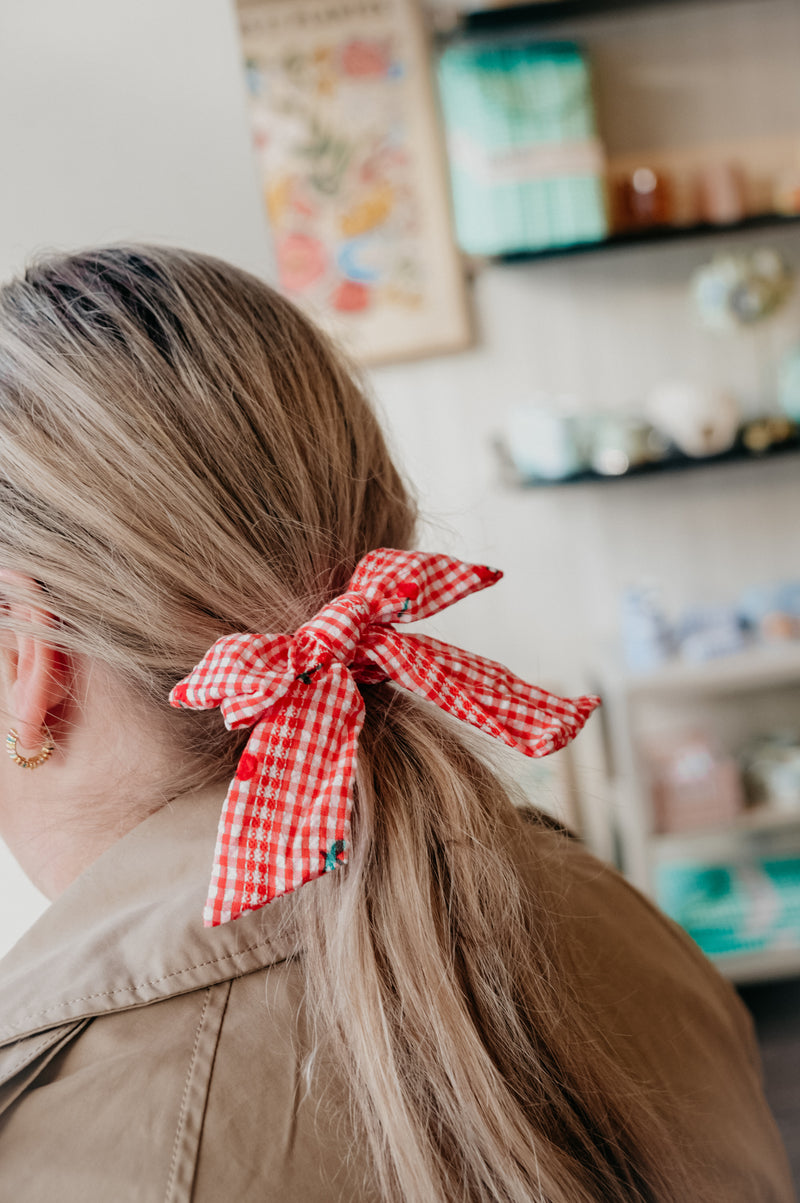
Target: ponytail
434, 979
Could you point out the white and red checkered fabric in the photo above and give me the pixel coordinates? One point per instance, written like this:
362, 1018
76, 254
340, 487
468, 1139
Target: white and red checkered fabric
286, 818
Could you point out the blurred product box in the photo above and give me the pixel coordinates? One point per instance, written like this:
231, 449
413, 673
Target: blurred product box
694, 786
748, 907
526, 164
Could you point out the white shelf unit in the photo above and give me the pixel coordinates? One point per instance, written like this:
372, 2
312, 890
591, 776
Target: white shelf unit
732, 681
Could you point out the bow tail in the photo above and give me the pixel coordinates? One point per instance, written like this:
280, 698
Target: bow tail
286, 818
481, 692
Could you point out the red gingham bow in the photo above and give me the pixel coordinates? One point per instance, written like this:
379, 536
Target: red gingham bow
286, 818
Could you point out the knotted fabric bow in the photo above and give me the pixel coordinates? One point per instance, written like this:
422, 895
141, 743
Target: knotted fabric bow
286, 818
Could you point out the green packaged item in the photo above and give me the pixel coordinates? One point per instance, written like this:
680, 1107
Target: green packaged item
727, 909
527, 167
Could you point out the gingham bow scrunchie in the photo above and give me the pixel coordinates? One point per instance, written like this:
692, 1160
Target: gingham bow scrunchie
286, 818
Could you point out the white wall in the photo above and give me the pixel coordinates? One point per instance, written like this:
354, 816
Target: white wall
125, 120
120, 121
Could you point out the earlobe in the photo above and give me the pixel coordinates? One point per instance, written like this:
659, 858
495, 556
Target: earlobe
37, 674
38, 692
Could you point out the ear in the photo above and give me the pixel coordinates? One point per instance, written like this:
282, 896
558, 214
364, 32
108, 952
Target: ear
36, 675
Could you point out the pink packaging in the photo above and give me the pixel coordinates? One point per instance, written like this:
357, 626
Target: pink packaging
694, 785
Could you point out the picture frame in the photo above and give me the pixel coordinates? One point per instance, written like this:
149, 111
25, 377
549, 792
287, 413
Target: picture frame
350, 158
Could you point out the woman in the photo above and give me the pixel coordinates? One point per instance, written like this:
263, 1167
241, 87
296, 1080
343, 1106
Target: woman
471, 1008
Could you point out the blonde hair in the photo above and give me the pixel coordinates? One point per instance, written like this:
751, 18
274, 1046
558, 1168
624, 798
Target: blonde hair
183, 455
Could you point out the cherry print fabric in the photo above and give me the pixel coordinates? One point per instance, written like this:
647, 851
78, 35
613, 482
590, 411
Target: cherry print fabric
286, 818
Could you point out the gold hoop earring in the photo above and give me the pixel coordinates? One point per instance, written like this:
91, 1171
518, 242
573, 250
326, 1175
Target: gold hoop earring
28, 762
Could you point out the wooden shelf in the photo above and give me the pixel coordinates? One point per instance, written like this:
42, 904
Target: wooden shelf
768, 964
551, 12
761, 666
654, 237
760, 819
754, 833
675, 462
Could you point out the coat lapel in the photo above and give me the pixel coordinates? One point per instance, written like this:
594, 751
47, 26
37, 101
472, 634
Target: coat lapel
129, 931
22, 1061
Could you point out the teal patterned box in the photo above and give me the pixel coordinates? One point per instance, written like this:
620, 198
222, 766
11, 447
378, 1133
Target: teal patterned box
748, 907
527, 167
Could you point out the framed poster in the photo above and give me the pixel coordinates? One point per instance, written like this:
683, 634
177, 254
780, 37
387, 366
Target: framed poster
355, 187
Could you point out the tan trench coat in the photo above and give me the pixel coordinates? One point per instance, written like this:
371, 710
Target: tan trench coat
146, 1058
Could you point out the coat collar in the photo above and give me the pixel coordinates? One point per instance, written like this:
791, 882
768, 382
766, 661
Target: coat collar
129, 930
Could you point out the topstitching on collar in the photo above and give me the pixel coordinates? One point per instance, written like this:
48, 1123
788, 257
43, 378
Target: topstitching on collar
129, 931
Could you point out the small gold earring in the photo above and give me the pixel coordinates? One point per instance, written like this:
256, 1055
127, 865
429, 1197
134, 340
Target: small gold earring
28, 762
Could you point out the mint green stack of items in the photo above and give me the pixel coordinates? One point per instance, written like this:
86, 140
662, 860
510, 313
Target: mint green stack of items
526, 164
728, 909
